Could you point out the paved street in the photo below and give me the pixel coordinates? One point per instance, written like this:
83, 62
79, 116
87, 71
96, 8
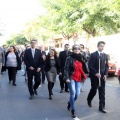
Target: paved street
15, 105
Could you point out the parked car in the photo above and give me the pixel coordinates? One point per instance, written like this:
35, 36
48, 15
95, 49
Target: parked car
111, 65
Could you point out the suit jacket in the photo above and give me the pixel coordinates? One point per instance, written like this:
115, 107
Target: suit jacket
93, 64
43, 52
62, 59
35, 62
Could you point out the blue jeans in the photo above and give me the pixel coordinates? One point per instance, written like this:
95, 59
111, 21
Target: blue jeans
74, 88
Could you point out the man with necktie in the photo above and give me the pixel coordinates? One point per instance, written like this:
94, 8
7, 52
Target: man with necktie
33, 62
98, 66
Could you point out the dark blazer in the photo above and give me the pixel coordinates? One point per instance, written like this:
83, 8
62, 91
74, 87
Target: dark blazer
43, 52
93, 64
62, 59
18, 60
48, 64
35, 62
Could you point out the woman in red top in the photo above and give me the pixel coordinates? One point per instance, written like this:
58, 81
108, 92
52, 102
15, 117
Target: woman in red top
74, 76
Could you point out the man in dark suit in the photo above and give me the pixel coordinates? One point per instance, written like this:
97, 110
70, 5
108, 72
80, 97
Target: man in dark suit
33, 62
98, 66
62, 59
43, 53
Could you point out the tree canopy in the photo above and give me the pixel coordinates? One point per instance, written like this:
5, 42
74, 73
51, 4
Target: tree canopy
94, 17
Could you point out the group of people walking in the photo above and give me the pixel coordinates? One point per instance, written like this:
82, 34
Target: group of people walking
71, 66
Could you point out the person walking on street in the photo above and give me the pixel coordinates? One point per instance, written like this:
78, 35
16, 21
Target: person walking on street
98, 66
12, 63
2, 60
51, 69
33, 62
62, 58
43, 53
74, 75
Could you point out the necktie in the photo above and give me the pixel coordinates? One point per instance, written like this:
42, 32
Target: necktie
100, 56
67, 53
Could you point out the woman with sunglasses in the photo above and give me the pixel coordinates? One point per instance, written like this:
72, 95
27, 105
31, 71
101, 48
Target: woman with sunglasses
74, 74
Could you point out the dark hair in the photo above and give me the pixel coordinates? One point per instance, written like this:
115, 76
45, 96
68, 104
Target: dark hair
100, 42
33, 40
82, 46
55, 53
66, 45
13, 48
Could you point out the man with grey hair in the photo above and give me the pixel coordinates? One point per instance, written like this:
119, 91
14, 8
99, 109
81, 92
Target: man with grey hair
2, 59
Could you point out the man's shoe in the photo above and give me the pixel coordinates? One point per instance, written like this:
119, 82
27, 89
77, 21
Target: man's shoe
31, 97
89, 104
66, 90
50, 97
102, 110
61, 91
14, 84
35, 91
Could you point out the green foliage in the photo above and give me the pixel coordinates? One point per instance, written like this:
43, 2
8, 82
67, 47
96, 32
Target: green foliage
18, 39
96, 17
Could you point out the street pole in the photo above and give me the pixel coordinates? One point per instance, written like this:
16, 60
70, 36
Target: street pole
99, 73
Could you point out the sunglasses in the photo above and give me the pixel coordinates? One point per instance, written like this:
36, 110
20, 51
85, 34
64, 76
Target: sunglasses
76, 48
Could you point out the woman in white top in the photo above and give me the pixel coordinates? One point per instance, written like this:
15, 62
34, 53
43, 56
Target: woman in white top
12, 63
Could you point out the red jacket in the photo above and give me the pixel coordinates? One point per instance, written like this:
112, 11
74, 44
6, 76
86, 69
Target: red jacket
78, 74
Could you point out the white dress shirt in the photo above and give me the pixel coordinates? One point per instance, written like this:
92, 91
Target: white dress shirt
33, 52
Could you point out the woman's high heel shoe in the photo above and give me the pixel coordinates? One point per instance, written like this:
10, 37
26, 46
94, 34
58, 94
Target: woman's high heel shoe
68, 107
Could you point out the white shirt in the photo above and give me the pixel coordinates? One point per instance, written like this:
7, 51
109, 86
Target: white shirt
33, 52
99, 52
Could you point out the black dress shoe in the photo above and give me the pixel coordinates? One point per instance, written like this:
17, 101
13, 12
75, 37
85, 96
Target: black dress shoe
61, 91
14, 84
89, 104
66, 90
35, 91
31, 97
102, 110
52, 93
50, 97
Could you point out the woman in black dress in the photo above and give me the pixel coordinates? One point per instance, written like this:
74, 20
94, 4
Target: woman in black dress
51, 69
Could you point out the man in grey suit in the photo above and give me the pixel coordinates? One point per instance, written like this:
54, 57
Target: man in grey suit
2, 59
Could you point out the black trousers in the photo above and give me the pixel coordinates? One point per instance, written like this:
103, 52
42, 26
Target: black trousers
50, 87
43, 75
37, 80
63, 84
12, 71
93, 91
